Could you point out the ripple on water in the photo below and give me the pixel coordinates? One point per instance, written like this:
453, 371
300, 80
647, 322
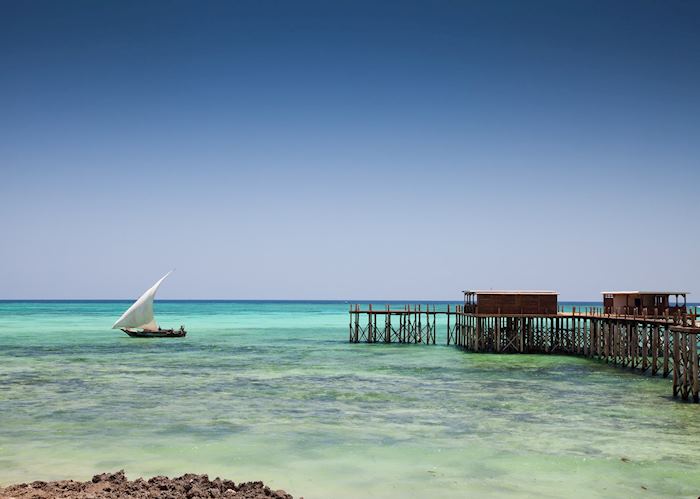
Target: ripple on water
274, 392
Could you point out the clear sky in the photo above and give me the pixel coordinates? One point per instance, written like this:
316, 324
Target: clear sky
343, 150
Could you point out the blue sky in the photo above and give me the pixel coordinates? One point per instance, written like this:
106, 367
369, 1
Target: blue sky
344, 150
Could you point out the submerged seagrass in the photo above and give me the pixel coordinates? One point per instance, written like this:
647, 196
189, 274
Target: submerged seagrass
273, 391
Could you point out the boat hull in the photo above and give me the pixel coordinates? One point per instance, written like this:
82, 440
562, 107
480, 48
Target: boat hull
161, 333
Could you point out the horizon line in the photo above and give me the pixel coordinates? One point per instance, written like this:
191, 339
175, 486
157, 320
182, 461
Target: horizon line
344, 300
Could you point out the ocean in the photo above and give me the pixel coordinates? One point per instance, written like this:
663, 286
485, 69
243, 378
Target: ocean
273, 391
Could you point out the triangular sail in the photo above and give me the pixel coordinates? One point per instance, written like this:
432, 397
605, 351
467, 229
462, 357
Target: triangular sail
140, 314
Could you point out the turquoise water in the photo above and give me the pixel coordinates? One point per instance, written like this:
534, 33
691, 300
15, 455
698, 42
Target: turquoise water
273, 392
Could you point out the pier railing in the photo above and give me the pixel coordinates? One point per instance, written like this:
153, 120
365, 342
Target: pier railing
680, 315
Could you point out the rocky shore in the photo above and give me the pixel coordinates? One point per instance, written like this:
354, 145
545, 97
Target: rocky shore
116, 485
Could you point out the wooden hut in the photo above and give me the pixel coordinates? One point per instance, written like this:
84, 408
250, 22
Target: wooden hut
510, 302
651, 303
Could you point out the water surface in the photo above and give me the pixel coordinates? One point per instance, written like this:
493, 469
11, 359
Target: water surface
273, 391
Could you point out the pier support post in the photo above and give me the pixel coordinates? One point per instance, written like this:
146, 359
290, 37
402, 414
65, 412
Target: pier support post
448, 325
695, 388
666, 351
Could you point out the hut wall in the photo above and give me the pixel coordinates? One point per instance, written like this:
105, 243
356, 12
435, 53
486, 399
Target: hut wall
516, 304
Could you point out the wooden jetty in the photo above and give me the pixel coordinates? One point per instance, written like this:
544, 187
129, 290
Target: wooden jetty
411, 324
662, 340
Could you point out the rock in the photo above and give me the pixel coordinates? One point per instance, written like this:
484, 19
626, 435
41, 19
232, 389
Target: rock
228, 484
116, 485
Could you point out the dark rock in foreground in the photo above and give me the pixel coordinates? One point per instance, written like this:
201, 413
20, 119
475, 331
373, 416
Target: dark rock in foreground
116, 485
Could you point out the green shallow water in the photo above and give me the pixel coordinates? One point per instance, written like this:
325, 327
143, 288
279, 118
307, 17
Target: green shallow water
273, 392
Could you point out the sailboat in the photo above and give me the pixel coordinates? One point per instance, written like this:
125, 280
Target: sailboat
138, 321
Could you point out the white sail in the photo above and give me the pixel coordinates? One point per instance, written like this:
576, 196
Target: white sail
140, 314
